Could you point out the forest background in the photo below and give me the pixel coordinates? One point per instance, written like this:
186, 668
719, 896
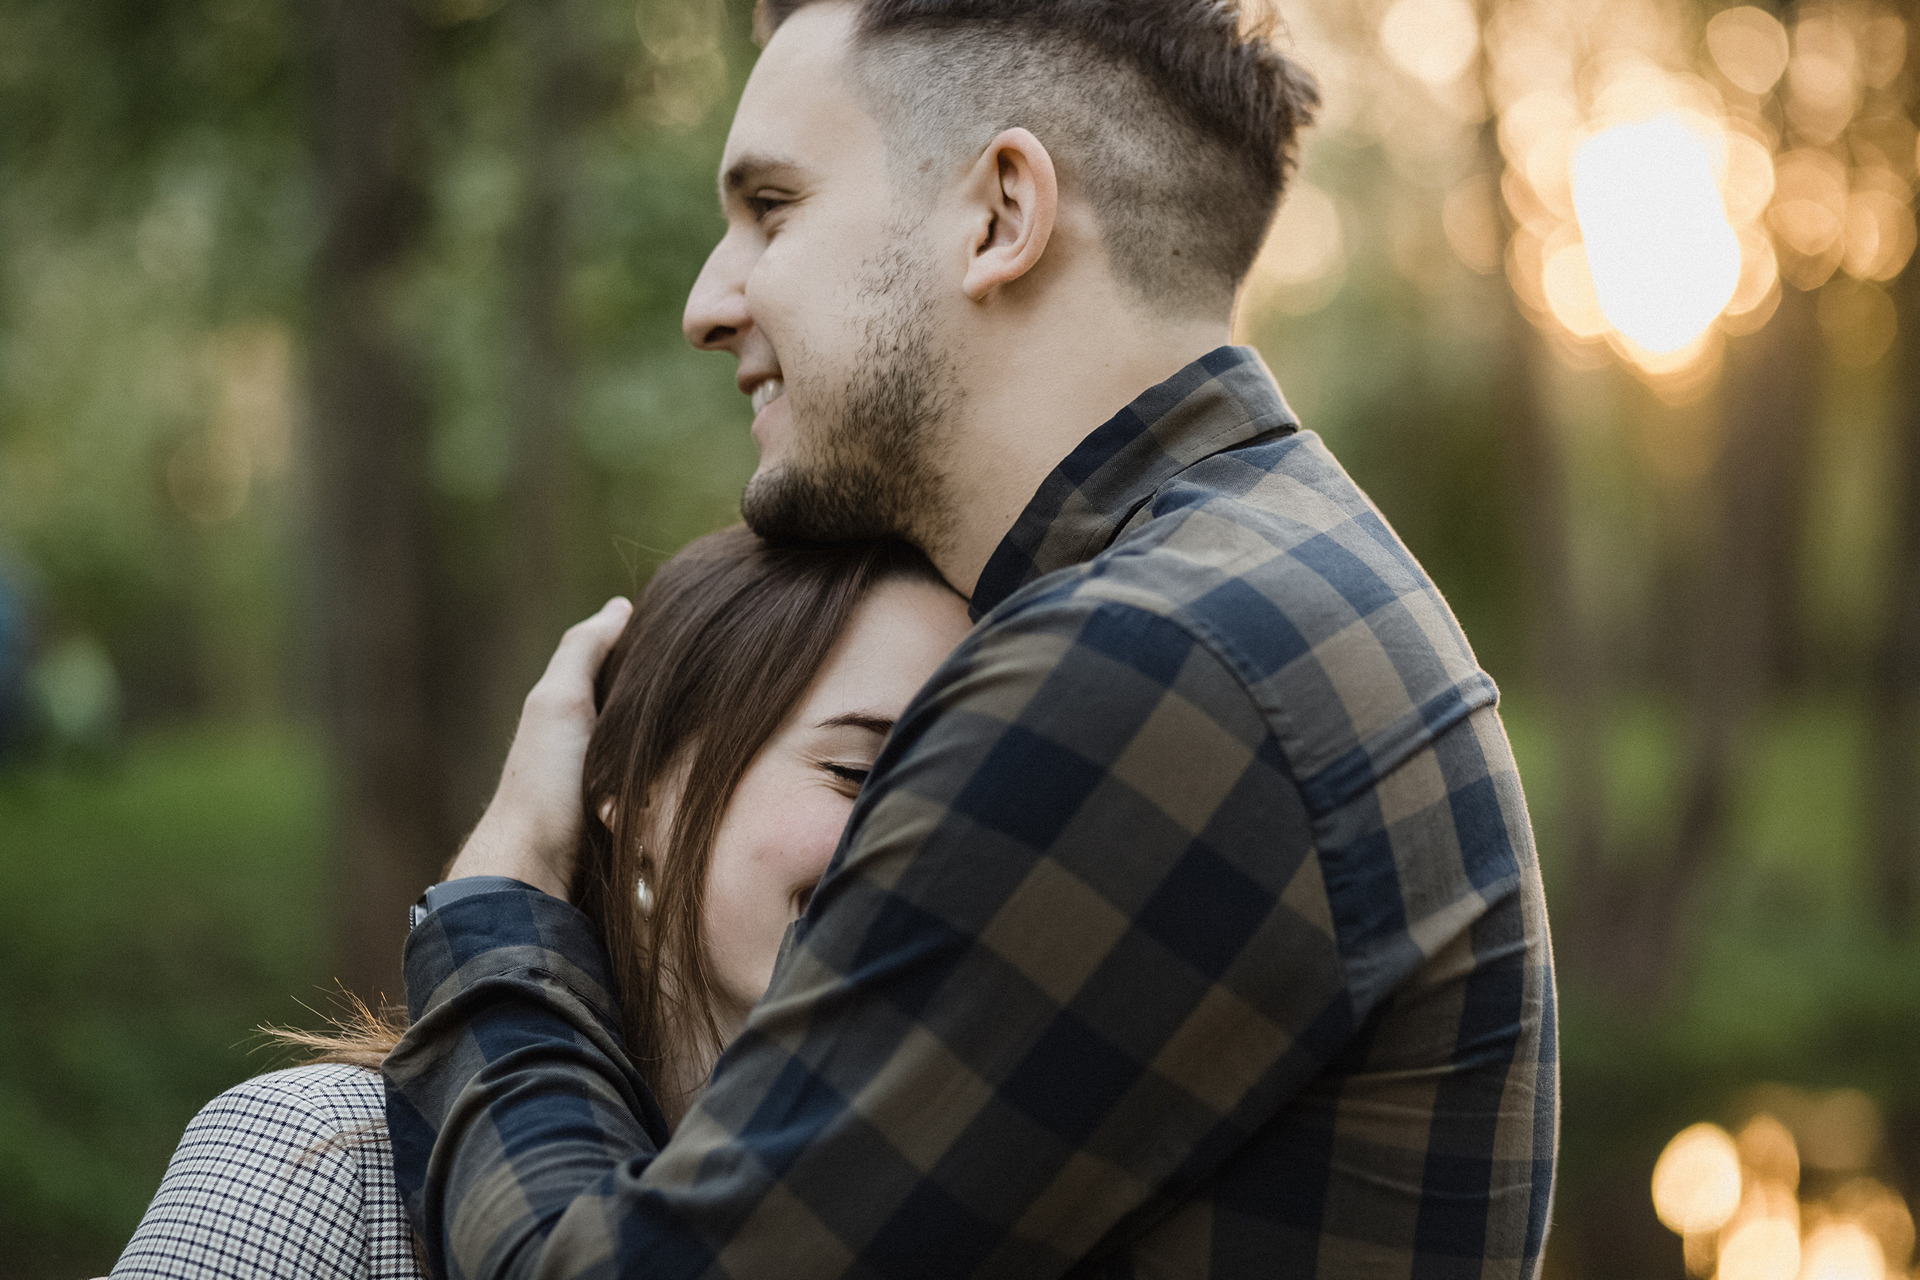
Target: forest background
340, 367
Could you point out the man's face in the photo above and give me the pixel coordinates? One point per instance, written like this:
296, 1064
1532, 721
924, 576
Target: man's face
825, 292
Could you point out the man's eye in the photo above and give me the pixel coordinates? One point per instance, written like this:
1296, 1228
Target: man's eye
761, 206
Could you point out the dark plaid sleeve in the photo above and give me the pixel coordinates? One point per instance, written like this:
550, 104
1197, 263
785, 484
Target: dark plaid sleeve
1088, 951
512, 1105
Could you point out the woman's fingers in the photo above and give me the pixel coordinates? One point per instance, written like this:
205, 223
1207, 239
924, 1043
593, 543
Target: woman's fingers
587, 642
531, 828
565, 688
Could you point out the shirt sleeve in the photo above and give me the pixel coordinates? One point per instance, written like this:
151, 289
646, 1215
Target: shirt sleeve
1076, 946
266, 1183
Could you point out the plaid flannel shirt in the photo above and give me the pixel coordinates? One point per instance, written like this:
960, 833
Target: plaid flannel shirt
1189, 925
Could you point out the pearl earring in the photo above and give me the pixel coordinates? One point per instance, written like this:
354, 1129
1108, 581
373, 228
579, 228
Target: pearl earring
645, 894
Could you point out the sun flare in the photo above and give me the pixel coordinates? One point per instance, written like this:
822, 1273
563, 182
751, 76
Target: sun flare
1664, 256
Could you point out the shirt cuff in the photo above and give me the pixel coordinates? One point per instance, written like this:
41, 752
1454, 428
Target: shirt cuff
505, 929
439, 895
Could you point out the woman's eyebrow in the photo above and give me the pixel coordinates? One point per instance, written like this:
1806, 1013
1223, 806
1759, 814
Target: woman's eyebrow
872, 721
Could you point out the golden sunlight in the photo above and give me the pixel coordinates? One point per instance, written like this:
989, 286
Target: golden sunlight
1303, 262
1823, 77
1665, 259
1879, 225
1842, 1251
1768, 1149
1737, 1202
1762, 1248
1696, 1182
1432, 40
1882, 1214
1749, 46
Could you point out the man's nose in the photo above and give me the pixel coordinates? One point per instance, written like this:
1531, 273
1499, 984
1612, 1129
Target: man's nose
716, 313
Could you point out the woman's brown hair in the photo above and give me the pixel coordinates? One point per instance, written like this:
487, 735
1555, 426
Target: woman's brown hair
723, 643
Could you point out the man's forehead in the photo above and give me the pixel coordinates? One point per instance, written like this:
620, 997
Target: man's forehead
797, 108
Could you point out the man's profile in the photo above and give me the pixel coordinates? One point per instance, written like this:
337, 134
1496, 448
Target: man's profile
1189, 922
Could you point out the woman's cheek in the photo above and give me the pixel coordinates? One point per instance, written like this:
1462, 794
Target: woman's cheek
816, 836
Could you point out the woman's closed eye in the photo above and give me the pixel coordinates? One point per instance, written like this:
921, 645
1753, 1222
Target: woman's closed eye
854, 776
845, 746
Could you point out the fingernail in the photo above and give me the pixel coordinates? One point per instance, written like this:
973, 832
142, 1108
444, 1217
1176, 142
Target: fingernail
616, 602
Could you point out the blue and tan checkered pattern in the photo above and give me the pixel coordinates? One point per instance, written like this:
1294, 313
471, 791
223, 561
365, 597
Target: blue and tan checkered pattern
1189, 925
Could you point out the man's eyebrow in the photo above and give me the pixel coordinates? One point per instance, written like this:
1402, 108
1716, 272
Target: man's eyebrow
746, 169
872, 721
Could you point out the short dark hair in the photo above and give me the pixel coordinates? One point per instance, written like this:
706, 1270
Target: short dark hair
1177, 119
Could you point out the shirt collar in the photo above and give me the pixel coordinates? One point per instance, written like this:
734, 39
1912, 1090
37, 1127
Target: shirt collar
1225, 398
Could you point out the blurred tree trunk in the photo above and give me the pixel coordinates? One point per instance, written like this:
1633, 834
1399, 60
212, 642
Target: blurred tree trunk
1894, 749
506, 609
1893, 752
1637, 903
540, 391
1743, 628
372, 506
1624, 912
1561, 662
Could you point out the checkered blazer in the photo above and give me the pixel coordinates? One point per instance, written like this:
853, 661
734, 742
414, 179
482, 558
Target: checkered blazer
287, 1175
1189, 925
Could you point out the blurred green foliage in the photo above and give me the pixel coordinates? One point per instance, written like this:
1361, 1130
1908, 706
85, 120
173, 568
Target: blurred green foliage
154, 911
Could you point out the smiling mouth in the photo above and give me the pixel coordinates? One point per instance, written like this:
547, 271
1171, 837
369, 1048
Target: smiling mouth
767, 392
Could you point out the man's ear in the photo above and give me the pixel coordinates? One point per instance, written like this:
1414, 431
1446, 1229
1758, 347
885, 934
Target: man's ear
1017, 196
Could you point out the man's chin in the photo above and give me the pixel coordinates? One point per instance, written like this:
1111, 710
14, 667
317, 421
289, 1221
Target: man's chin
784, 505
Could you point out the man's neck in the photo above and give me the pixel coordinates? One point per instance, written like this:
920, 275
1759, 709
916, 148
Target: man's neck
1028, 406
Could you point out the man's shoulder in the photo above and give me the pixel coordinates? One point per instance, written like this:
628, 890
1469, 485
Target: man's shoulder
1271, 558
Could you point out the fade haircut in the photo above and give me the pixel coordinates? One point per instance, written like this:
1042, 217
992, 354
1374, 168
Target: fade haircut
1177, 120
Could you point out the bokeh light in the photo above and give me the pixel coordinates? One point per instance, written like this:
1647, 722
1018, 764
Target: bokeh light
1809, 214
1842, 1251
1665, 259
1432, 40
1303, 262
1761, 1248
1823, 76
1666, 182
1879, 231
1880, 1211
1696, 1183
1768, 1149
1781, 1226
1749, 46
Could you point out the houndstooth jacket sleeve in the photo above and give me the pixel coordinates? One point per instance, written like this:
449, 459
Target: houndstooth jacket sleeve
287, 1174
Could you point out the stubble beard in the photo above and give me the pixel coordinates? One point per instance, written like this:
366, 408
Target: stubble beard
866, 465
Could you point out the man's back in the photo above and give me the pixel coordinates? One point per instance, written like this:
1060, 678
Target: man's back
1429, 1132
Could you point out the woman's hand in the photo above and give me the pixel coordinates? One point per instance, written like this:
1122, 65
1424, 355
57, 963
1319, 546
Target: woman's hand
531, 829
